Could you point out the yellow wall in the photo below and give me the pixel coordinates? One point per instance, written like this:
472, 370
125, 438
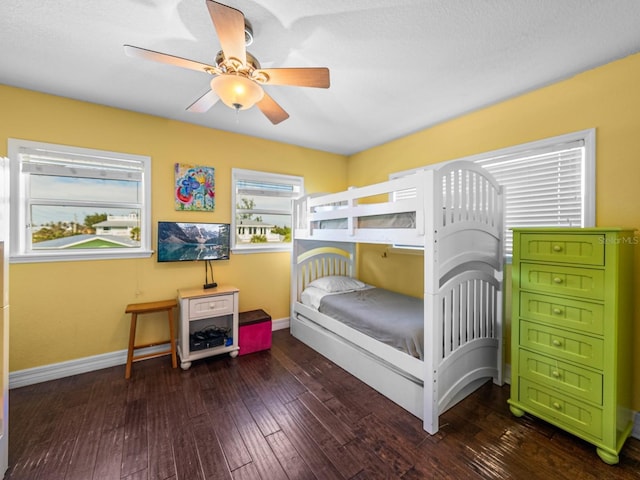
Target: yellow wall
607, 98
68, 310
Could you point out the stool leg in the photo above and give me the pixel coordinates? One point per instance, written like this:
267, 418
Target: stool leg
172, 336
132, 342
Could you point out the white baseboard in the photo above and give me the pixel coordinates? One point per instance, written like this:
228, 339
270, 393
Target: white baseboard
280, 324
30, 376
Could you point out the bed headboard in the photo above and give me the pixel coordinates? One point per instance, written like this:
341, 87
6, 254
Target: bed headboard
468, 227
312, 260
470, 194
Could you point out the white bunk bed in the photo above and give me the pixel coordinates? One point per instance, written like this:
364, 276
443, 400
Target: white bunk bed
456, 215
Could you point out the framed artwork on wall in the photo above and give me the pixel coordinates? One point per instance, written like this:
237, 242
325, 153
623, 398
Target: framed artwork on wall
194, 188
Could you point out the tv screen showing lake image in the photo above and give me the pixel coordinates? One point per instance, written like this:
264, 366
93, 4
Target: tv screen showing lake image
183, 242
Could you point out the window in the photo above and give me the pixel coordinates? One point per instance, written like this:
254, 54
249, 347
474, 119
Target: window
70, 203
549, 182
263, 208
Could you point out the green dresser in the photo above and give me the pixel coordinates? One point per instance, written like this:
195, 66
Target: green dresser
571, 331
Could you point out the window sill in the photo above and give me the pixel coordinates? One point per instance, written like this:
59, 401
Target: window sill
70, 257
273, 248
406, 250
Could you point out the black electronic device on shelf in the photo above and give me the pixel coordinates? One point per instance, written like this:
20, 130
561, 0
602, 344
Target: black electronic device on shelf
209, 337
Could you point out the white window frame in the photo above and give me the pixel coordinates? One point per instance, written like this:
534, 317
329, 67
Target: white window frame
238, 174
20, 222
588, 140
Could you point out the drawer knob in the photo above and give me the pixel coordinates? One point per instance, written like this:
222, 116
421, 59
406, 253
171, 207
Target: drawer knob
557, 406
557, 311
557, 280
555, 374
556, 342
557, 248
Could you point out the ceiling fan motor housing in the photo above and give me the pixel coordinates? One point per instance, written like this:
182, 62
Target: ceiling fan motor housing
248, 33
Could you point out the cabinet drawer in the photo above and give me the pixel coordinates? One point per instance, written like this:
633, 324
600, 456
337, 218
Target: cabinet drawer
210, 306
550, 372
567, 248
562, 344
565, 410
579, 282
563, 312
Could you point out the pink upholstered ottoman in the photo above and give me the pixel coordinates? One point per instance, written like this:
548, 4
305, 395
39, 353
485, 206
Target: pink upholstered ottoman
254, 331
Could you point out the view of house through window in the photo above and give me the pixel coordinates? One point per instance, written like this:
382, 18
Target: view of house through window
263, 204
68, 202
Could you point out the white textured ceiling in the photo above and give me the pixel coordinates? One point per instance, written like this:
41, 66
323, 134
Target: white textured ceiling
397, 66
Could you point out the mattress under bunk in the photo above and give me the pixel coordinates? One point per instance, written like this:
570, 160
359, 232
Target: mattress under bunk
388, 317
390, 220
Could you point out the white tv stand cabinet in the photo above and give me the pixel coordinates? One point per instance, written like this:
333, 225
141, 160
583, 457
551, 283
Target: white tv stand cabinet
205, 308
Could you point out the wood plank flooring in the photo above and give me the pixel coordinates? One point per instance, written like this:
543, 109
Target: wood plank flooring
286, 413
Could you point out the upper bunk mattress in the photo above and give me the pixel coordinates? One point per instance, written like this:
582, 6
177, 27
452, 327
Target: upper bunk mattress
389, 317
387, 220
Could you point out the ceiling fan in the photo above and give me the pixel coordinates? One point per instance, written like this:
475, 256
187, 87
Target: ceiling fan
237, 76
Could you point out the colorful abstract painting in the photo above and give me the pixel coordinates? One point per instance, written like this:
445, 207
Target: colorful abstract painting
195, 188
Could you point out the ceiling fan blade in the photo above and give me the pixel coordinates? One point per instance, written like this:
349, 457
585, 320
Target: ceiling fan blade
138, 52
204, 103
229, 25
274, 112
301, 77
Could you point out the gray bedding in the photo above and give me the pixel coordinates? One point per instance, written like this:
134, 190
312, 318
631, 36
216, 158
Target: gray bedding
391, 318
388, 220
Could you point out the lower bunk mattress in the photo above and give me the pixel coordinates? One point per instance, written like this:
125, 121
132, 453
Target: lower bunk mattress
389, 317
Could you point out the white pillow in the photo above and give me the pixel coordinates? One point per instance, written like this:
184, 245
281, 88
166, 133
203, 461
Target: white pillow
334, 284
312, 297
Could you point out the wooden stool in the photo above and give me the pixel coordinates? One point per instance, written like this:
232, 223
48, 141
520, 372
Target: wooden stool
136, 309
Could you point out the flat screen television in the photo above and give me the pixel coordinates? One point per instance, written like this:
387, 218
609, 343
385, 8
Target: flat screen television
184, 242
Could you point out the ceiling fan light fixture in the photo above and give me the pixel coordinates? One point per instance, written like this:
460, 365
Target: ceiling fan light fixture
236, 91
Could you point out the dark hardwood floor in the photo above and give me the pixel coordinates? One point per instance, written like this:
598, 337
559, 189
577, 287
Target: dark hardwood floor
283, 413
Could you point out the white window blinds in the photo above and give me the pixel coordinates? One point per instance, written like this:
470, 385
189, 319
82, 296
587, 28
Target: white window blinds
544, 187
70, 164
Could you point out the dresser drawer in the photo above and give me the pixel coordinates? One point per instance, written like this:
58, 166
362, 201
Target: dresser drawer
564, 248
550, 372
561, 408
578, 282
563, 312
210, 306
562, 344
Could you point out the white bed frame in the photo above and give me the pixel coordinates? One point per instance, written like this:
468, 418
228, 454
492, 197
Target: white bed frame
459, 222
